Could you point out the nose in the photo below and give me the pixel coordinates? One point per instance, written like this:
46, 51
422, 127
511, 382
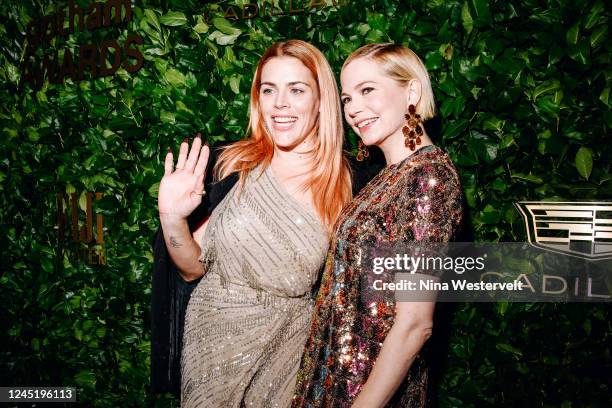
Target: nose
281, 100
352, 108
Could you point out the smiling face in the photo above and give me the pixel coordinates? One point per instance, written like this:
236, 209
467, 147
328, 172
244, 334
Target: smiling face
374, 104
289, 101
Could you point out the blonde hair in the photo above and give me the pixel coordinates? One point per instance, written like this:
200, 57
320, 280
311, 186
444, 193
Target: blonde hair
401, 64
330, 179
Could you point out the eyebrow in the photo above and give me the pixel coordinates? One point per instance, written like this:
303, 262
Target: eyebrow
358, 85
290, 83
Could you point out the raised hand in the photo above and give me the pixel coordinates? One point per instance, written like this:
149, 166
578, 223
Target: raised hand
181, 189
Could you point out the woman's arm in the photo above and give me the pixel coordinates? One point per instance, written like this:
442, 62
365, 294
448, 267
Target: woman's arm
430, 211
412, 327
180, 193
183, 247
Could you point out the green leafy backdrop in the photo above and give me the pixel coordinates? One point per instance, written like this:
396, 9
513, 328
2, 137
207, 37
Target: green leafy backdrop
524, 111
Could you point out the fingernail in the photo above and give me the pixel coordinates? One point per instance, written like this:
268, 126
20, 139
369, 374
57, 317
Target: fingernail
198, 134
186, 140
169, 150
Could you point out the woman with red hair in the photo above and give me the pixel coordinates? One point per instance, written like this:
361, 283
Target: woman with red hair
263, 246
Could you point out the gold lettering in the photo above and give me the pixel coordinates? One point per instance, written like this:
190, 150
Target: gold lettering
230, 14
104, 47
316, 3
250, 6
99, 224
75, 218
87, 229
94, 16
49, 26
60, 22
133, 53
75, 11
67, 68
87, 58
116, 4
50, 66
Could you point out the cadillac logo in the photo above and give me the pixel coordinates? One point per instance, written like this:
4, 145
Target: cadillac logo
580, 229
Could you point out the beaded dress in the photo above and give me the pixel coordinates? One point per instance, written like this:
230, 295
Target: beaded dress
248, 318
417, 199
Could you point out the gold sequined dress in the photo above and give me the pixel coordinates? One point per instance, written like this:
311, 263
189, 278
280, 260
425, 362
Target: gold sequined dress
248, 318
417, 199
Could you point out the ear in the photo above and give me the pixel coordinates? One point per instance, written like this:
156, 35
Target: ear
413, 92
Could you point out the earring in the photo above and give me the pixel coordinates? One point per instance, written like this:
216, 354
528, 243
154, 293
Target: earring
412, 130
362, 151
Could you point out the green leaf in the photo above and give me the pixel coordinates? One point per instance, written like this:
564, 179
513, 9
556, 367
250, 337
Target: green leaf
154, 190
174, 77
152, 19
572, 34
546, 87
167, 117
173, 19
466, 18
580, 52
594, 15
584, 162
528, 177
234, 83
223, 39
225, 26
201, 28
598, 35
85, 378
510, 349
375, 36
604, 95
483, 14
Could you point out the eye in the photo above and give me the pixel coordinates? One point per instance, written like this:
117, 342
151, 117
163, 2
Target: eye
266, 91
345, 100
297, 91
366, 90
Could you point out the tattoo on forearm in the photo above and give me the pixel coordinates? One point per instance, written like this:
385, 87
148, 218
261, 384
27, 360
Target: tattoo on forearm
175, 243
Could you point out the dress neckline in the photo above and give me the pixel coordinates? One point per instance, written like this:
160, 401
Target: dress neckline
420, 150
310, 211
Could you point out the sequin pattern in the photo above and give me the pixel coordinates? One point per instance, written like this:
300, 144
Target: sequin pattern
417, 199
247, 320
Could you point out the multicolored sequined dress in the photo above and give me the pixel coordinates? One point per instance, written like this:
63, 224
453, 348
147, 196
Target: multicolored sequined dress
247, 320
417, 199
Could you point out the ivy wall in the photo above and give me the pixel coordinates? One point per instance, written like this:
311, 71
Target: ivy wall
524, 111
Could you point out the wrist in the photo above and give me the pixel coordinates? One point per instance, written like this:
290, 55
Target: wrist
173, 218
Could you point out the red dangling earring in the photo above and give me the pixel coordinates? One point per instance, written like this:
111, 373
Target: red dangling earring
362, 151
413, 129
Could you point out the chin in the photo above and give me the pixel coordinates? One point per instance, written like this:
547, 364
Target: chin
284, 142
369, 140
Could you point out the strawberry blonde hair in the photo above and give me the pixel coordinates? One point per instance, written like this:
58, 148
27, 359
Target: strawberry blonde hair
401, 64
330, 179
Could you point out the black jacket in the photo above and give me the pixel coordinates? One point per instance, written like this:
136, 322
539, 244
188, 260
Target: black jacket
170, 293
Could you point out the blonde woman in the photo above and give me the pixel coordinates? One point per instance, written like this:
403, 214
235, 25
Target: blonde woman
262, 247
363, 353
